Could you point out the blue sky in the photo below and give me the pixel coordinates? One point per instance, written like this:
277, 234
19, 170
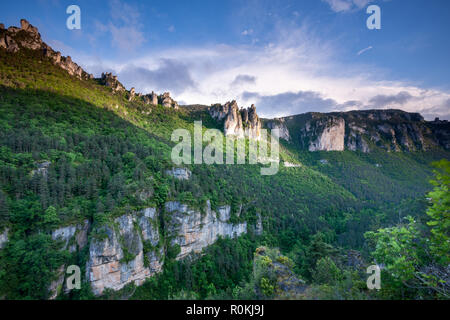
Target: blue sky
286, 56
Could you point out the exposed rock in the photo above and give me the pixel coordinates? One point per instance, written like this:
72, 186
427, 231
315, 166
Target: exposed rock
74, 236
392, 130
237, 122
111, 81
57, 284
2, 26
153, 98
28, 37
325, 134
179, 173
9, 44
166, 101
193, 231
281, 126
4, 238
42, 168
280, 269
132, 94
150, 234
118, 258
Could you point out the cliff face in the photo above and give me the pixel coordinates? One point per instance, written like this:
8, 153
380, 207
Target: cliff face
325, 134
131, 248
118, 258
281, 126
192, 230
237, 122
391, 130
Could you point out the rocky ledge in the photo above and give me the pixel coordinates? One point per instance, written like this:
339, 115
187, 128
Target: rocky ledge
131, 248
237, 122
193, 231
391, 130
27, 36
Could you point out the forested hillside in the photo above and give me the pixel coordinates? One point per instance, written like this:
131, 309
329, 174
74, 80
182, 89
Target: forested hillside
74, 151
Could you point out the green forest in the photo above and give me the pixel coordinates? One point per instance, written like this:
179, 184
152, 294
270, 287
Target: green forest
73, 150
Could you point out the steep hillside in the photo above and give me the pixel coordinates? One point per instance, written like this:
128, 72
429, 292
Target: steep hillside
86, 179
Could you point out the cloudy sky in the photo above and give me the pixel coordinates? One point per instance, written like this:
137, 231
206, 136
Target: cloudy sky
286, 56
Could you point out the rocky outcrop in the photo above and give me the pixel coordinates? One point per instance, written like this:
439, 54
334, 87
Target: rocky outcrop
4, 238
109, 80
166, 101
27, 36
74, 237
193, 231
57, 284
278, 269
118, 257
391, 130
324, 134
237, 122
131, 248
41, 168
179, 173
151, 98
281, 126
132, 94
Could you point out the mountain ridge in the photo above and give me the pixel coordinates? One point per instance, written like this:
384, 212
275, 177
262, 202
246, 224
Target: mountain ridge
331, 131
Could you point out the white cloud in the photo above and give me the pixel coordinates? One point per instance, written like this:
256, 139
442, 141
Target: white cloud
346, 5
360, 52
296, 73
247, 32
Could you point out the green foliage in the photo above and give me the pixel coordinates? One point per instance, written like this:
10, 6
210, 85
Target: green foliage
28, 266
326, 272
416, 259
104, 151
439, 213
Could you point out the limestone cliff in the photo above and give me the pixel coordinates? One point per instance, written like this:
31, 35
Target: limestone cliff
325, 134
131, 248
193, 231
237, 122
391, 130
117, 257
281, 126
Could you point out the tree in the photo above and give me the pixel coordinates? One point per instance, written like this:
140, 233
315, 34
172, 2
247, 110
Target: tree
416, 257
439, 213
51, 217
326, 272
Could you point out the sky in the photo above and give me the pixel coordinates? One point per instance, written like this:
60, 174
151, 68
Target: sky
285, 56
